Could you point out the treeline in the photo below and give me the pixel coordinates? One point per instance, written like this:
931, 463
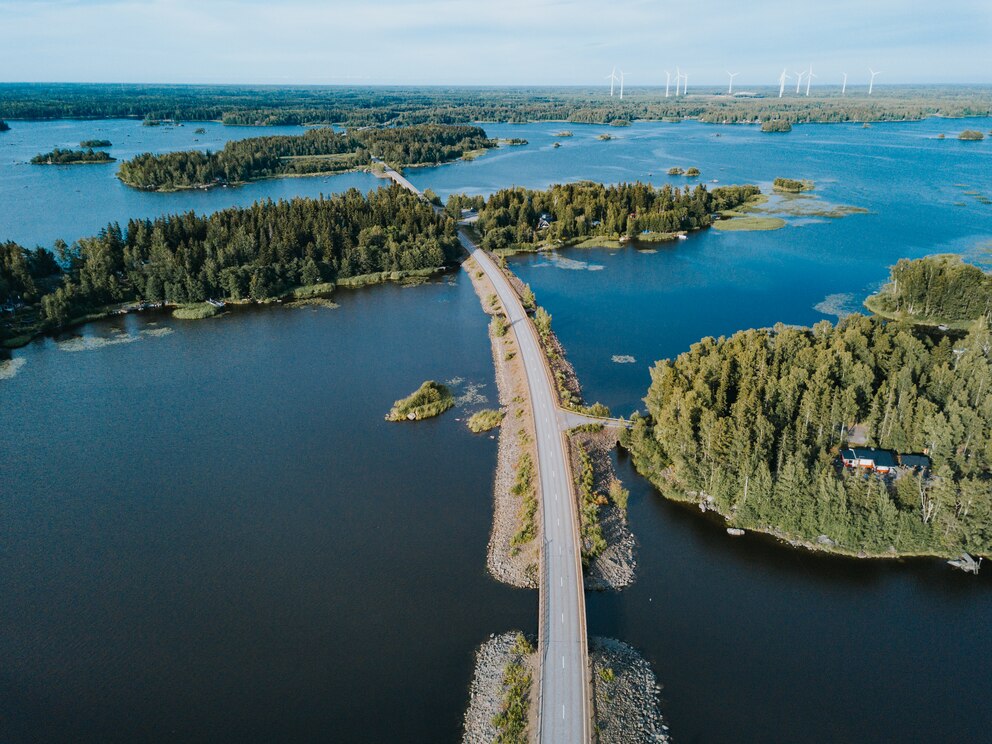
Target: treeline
517, 217
317, 151
754, 423
407, 106
91, 143
936, 289
22, 272
71, 157
256, 252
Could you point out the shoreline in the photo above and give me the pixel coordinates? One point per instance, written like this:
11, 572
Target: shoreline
301, 292
626, 695
682, 498
516, 437
487, 689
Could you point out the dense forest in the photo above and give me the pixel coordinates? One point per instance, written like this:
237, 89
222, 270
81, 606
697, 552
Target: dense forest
404, 106
754, 423
936, 289
71, 157
515, 217
91, 143
317, 151
22, 272
256, 252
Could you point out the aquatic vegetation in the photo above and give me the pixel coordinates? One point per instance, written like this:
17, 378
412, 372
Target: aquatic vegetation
485, 420
741, 224
197, 311
623, 359
10, 367
840, 304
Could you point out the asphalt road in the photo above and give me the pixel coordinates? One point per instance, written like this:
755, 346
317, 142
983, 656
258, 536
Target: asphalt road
564, 687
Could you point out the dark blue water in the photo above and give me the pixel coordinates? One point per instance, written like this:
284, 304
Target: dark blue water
213, 535
39, 204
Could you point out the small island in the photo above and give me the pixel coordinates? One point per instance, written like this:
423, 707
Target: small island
868, 438
971, 135
939, 290
564, 133
429, 400
676, 171
604, 137
317, 152
776, 125
95, 143
71, 157
4, 126
792, 186
692, 172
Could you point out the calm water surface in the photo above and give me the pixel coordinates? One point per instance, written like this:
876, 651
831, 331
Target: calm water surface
212, 533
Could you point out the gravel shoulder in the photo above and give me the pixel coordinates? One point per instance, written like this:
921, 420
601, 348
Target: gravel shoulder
516, 566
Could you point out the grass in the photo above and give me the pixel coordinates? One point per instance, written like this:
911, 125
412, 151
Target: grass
511, 721
429, 400
198, 311
873, 303
311, 290
523, 486
747, 224
590, 531
619, 495
485, 420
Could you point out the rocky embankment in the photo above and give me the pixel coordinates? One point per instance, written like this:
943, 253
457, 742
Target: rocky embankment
626, 695
615, 566
488, 690
516, 565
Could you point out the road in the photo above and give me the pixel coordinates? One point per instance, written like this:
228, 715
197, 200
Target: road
564, 686
565, 691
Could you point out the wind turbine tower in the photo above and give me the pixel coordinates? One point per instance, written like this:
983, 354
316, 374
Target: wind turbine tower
612, 77
871, 83
781, 82
621, 85
678, 79
809, 79
799, 79
730, 90
668, 81
843, 88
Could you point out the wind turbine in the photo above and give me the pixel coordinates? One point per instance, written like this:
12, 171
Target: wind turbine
781, 82
799, 79
809, 79
612, 77
843, 88
730, 90
871, 84
678, 78
685, 84
621, 85
668, 81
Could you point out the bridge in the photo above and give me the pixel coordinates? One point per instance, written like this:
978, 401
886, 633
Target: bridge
565, 687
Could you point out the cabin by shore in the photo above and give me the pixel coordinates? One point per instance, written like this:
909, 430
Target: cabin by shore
882, 461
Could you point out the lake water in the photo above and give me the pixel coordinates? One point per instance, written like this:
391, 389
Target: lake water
211, 533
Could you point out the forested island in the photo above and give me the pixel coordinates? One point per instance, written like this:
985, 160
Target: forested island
261, 106
937, 290
71, 157
253, 253
755, 426
91, 143
572, 213
317, 151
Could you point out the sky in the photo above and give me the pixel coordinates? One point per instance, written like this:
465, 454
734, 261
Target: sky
501, 42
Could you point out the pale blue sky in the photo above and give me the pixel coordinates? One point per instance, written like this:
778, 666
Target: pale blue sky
503, 42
